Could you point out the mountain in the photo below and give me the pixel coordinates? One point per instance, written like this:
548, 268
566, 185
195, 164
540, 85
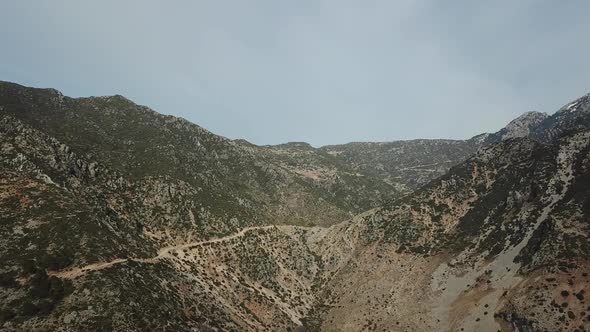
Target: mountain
519, 127
406, 165
115, 217
572, 116
500, 242
228, 179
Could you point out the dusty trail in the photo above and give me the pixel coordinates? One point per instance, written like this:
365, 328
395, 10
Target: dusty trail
162, 253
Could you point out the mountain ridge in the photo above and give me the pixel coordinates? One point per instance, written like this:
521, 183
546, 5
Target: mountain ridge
115, 218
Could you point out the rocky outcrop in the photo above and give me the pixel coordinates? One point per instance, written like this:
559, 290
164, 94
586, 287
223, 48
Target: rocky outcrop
519, 127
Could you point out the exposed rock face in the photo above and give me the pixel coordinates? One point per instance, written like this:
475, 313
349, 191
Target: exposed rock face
573, 116
114, 217
519, 127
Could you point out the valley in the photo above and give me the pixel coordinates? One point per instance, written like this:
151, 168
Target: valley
116, 217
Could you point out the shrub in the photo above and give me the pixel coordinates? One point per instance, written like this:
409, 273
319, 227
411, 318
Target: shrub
29, 309
7, 280
57, 262
45, 306
56, 288
40, 284
29, 266
6, 314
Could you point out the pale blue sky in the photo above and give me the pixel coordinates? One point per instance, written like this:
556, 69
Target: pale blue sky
319, 71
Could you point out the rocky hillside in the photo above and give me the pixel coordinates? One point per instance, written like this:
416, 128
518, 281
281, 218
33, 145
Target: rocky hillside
115, 217
500, 242
405, 165
522, 126
218, 178
408, 165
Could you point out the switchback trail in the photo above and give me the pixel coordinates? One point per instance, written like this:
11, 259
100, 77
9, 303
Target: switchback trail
162, 253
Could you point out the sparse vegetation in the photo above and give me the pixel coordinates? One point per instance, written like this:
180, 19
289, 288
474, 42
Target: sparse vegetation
115, 217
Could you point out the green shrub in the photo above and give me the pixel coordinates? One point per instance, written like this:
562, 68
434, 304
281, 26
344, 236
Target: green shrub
29, 266
40, 285
29, 309
56, 288
6, 314
57, 262
45, 306
7, 280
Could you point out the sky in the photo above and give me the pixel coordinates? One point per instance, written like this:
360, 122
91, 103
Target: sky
320, 71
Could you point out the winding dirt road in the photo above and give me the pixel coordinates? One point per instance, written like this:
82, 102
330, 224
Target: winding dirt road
162, 253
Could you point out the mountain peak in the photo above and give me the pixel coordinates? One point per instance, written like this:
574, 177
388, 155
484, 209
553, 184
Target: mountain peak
522, 125
295, 145
581, 104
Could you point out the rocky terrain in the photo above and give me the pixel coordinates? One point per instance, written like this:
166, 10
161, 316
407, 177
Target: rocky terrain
115, 217
499, 243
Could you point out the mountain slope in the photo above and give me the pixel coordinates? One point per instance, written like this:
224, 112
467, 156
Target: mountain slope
522, 126
100, 185
501, 242
228, 179
77, 255
114, 217
232, 180
406, 165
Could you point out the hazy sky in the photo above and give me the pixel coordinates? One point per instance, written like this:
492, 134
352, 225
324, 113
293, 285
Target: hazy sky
318, 71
